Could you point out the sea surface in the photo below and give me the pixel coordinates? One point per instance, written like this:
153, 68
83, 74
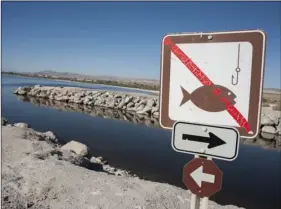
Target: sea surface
251, 181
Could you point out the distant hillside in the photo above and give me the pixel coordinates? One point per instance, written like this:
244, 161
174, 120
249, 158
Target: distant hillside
148, 84
90, 77
271, 90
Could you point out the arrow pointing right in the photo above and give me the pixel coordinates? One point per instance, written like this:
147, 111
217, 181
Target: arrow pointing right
212, 140
198, 176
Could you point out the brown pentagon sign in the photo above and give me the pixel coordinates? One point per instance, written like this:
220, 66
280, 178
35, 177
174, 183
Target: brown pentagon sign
256, 37
209, 167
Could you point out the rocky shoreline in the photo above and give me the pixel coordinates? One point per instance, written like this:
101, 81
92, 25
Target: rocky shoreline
74, 152
40, 171
144, 105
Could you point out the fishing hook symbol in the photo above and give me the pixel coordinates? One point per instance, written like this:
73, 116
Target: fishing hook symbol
237, 69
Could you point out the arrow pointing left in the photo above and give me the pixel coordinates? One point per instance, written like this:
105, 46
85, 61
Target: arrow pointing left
198, 176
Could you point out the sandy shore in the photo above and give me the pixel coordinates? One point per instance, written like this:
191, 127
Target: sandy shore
36, 174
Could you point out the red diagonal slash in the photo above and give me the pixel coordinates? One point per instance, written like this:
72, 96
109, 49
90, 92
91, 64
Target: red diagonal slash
233, 111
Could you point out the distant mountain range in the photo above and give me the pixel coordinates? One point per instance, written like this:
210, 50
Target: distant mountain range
88, 77
68, 75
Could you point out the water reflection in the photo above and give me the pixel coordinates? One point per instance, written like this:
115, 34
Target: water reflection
94, 111
131, 117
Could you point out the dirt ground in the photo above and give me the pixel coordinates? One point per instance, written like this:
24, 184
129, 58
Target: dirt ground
33, 176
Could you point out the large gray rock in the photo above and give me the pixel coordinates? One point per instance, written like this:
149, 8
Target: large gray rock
50, 136
96, 160
77, 100
43, 94
125, 101
136, 100
4, 121
274, 116
78, 160
265, 120
110, 102
157, 103
139, 108
154, 109
269, 129
278, 127
77, 147
156, 114
21, 125
142, 102
22, 90
146, 110
100, 102
150, 102
130, 104
87, 99
267, 136
80, 95
63, 99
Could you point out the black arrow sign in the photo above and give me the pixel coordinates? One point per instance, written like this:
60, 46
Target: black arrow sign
213, 140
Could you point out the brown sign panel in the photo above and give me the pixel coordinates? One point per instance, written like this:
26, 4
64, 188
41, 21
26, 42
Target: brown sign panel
202, 177
213, 78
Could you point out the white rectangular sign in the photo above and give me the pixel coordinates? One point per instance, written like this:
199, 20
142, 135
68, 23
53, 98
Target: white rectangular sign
206, 140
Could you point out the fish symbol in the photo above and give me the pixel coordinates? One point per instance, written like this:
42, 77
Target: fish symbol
205, 98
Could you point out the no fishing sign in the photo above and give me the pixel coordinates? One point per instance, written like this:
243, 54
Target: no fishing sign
213, 78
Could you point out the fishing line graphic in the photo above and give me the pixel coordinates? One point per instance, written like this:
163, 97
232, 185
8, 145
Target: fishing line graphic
237, 69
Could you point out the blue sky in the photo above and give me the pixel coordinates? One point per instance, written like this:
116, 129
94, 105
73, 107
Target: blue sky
123, 38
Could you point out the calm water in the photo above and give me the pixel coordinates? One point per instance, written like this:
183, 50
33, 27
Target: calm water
251, 181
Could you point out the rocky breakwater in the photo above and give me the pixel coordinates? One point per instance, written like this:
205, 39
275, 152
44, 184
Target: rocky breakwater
138, 103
